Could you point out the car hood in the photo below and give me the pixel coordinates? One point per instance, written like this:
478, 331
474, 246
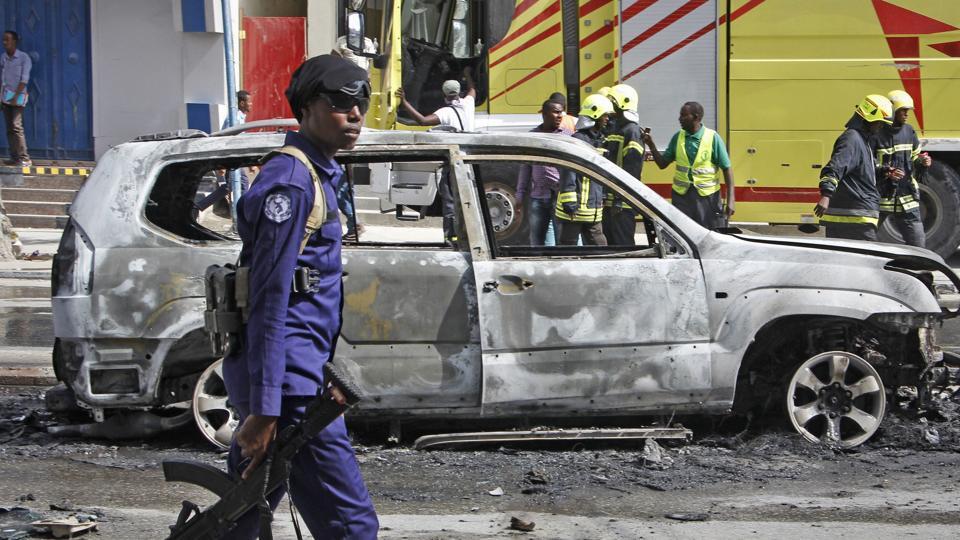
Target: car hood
878, 249
900, 258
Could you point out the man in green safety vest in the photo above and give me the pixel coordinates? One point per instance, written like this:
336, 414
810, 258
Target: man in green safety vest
696, 182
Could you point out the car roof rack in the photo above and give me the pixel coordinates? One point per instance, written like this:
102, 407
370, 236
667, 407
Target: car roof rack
279, 123
171, 135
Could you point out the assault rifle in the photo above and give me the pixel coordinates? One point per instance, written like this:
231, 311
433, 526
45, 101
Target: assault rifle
238, 496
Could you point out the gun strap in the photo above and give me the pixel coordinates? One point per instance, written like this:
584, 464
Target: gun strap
266, 513
318, 214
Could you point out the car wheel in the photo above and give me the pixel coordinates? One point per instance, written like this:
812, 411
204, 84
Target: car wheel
836, 398
216, 419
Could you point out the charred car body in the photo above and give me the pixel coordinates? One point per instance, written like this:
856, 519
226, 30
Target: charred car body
688, 321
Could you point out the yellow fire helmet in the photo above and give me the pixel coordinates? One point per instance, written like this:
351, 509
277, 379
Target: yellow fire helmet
592, 108
604, 91
900, 100
875, 108
624, 97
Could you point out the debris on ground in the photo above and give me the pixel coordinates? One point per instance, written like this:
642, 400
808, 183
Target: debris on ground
496, 492
687, 516
653, 456
518, 524
65, 527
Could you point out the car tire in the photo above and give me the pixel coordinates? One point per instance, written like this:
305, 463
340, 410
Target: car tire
940, 210
835, 398
215, 418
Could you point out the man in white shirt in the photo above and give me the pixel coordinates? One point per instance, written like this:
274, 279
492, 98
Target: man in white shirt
458, 111
457, 114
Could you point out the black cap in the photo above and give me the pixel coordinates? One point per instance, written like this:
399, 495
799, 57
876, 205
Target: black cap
325, 74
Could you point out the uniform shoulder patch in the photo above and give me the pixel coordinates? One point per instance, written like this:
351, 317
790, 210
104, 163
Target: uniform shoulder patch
278, 207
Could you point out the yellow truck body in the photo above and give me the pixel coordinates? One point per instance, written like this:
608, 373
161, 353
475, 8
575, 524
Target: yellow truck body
778, 78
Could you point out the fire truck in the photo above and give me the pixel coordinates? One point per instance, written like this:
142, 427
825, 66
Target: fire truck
778, 79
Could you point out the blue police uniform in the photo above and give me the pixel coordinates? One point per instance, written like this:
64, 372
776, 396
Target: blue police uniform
289, 335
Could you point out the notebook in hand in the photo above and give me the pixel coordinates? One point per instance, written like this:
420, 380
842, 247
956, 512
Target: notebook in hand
8, 98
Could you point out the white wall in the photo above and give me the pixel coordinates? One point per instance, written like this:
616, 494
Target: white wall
145, 70
321, 27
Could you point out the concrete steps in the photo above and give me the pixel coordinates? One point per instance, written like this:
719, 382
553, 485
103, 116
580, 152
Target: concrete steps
39, 197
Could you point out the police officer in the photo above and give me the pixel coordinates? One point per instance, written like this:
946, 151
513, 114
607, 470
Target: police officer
579, 210
849, 202
699, 152
292, 331
624, 146
898, 151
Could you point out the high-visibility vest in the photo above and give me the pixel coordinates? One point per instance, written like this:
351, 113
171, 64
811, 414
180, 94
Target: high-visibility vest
589, 203
703, 171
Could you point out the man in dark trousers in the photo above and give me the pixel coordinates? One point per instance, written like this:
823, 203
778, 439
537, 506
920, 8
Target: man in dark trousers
15, 68
625, 148
699, 152
542, 181
292, 331
898, 152
579, 209
849, 204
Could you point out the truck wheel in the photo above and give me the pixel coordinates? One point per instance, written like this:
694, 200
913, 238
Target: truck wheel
939, 209
506, 216
836, 398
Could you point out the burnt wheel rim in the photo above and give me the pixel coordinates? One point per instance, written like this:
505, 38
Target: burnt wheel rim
836, 398
216, 419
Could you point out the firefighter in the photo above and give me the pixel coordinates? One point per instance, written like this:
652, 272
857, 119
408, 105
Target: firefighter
849, 202
624, 146
702, 203
898, 150
579, 210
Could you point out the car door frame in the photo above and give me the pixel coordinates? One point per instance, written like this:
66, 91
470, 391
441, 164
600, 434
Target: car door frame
403, 377
547, 379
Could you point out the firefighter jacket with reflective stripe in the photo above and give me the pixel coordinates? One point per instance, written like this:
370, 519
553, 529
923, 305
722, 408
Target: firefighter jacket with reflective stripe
897, 147
849, 178
702, 173
625, 148
580, 198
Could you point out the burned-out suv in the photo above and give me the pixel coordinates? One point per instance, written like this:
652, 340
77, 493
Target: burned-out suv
686, 321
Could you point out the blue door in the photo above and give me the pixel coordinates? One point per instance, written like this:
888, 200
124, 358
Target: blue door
56, 35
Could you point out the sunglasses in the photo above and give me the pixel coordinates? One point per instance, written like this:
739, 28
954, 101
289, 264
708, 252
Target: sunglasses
343, 103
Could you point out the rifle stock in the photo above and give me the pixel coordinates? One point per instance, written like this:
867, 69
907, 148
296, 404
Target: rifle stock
237, 497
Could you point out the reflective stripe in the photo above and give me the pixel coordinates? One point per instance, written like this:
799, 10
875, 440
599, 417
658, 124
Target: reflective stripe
703, 172
830, 179
910, 205
852, 212
890, 150
633, 145
566, 197
588, 215
848, 219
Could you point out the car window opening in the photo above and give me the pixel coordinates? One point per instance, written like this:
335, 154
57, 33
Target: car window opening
191, 199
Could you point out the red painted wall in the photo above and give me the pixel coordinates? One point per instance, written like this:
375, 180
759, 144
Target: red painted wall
272, 49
